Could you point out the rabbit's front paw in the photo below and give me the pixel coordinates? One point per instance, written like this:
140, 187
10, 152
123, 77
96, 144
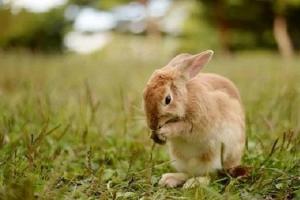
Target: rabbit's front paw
164, 132
172, 180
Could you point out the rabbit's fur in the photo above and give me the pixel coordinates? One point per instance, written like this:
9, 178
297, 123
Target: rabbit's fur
205, 112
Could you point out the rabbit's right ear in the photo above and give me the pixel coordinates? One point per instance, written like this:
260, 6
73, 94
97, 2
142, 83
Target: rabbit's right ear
191, 65
178, 60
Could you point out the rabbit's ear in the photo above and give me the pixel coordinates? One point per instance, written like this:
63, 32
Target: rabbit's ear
178, 60
192, 65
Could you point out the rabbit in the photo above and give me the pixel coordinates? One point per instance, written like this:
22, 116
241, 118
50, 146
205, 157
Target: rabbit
196, 115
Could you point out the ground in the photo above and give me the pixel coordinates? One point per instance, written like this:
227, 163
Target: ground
72, 127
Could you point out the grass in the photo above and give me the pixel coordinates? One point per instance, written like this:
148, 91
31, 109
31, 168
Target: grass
72, 127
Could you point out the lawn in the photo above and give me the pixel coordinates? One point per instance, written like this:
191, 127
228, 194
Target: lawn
73, 127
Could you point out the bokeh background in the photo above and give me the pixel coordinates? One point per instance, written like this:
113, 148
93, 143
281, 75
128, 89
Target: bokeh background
86, 26
72, 73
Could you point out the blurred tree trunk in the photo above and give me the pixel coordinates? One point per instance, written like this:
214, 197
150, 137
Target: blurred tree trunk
282, 37
222, 26
280, 30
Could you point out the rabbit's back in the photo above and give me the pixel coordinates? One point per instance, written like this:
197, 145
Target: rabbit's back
215, 82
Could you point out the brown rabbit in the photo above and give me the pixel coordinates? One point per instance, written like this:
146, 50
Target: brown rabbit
195, 113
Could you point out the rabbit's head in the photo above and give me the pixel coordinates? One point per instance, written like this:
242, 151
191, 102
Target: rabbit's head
165, 95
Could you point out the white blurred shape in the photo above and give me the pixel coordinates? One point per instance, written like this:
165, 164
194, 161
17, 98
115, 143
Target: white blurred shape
71, 12
34, 5
86, 43
159, 8
132, 12
174, 21
92, 20
133, 16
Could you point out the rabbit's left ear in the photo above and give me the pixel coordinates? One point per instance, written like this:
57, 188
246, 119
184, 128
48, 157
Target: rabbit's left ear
192, 65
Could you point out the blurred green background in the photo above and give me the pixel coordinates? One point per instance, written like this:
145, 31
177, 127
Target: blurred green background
225, 25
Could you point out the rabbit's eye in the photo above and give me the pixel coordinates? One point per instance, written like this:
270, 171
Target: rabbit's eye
167, 99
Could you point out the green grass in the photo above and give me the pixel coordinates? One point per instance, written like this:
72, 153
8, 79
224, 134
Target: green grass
72, 127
